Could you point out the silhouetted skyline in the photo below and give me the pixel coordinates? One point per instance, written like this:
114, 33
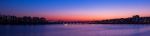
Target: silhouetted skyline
28, 20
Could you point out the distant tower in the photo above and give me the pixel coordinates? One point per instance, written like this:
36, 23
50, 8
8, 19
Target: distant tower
0, 13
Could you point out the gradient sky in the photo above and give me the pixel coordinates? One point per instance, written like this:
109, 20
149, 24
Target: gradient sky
76, 9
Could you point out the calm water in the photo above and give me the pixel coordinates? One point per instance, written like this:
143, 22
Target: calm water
75, 30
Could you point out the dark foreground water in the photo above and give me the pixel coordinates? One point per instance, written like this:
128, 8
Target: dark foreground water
75, 30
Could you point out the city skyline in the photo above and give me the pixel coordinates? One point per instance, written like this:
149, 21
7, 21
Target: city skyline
76, 9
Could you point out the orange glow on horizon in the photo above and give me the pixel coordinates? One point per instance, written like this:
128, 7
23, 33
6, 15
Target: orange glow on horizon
74, 18
84, 18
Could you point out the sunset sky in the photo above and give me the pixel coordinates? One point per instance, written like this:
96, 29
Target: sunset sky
76, 9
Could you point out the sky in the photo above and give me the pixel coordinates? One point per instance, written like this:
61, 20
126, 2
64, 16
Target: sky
76, 9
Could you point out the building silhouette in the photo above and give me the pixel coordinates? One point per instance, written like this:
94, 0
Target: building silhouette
12, 20
136, 19
6, 19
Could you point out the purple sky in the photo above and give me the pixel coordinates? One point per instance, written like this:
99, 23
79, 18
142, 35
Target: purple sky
76, 9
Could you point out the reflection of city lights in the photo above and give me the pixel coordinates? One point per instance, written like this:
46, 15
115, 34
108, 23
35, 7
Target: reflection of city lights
65, 24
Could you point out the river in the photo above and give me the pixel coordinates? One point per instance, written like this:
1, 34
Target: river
75, 30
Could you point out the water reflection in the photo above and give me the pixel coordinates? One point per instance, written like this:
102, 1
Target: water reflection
75, 30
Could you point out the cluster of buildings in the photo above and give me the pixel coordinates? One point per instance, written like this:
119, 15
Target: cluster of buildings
6, 19
27, 20
136, 19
